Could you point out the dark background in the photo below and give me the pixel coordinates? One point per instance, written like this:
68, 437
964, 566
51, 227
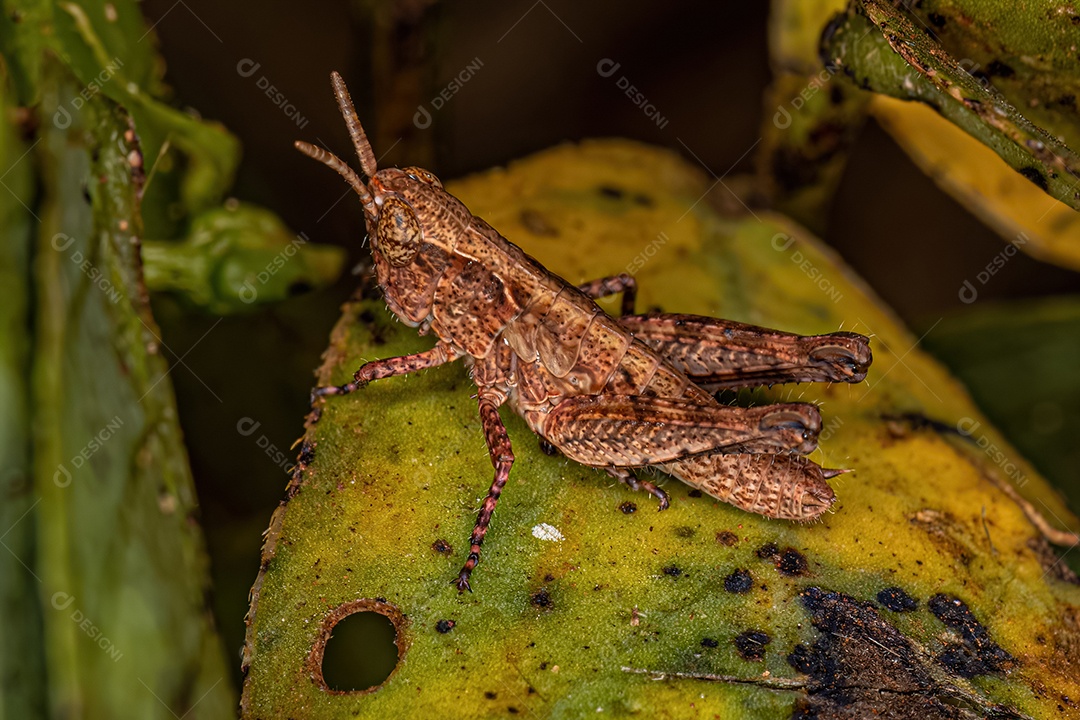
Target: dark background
703, 65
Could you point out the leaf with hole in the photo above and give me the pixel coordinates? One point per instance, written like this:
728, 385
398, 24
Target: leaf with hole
592, 601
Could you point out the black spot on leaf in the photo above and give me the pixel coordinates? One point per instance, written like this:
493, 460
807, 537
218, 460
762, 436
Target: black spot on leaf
442, 547
1035, 176
791, 563
739, 581
897, 600
751, 644
542, 599
976, 653
768, 551
996, 68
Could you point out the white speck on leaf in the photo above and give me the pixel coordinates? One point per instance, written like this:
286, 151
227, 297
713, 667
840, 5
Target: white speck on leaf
543, 531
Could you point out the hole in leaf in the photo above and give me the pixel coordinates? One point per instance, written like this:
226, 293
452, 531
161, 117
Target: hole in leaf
360, 644
361, 653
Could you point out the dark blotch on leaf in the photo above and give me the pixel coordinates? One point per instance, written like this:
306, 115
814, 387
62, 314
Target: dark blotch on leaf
611, 192
862, 666
751, 644
793, 170
542, 599
727, 538
442, 547
490, 695
672, 571
695, 493
805, 660
768, 551
536, 223
685, 531
367, 317
897, 600
307, 454
958, 658
791, 563
628, 508
996, 68
299, 288
848, 656
739, 581
900, 423
1035, 176
709, 643
978, 654
445, 626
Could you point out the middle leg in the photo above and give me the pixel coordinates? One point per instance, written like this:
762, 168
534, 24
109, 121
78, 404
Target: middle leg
627, 476
502, 457
613, 285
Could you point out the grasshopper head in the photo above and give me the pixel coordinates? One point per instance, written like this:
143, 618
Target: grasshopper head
411, 220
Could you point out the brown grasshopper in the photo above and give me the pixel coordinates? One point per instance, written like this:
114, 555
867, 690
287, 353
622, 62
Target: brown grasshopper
616, 394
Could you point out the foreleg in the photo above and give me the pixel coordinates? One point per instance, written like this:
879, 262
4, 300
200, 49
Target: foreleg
388, 367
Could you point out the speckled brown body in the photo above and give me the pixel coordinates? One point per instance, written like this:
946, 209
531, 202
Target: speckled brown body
610, 393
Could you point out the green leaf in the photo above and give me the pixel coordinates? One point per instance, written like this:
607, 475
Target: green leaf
972, 173
22, 662
883, 50
811, 118
119, 565
237, 256
1029, 57
589, 602
1019, 361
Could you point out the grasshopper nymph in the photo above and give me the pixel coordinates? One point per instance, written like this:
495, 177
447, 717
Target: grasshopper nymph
617, 394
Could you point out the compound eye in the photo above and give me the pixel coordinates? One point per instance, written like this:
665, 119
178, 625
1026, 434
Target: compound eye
397, 233
421, 175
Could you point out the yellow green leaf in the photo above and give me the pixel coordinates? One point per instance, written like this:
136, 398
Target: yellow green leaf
974, 174
927, 592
